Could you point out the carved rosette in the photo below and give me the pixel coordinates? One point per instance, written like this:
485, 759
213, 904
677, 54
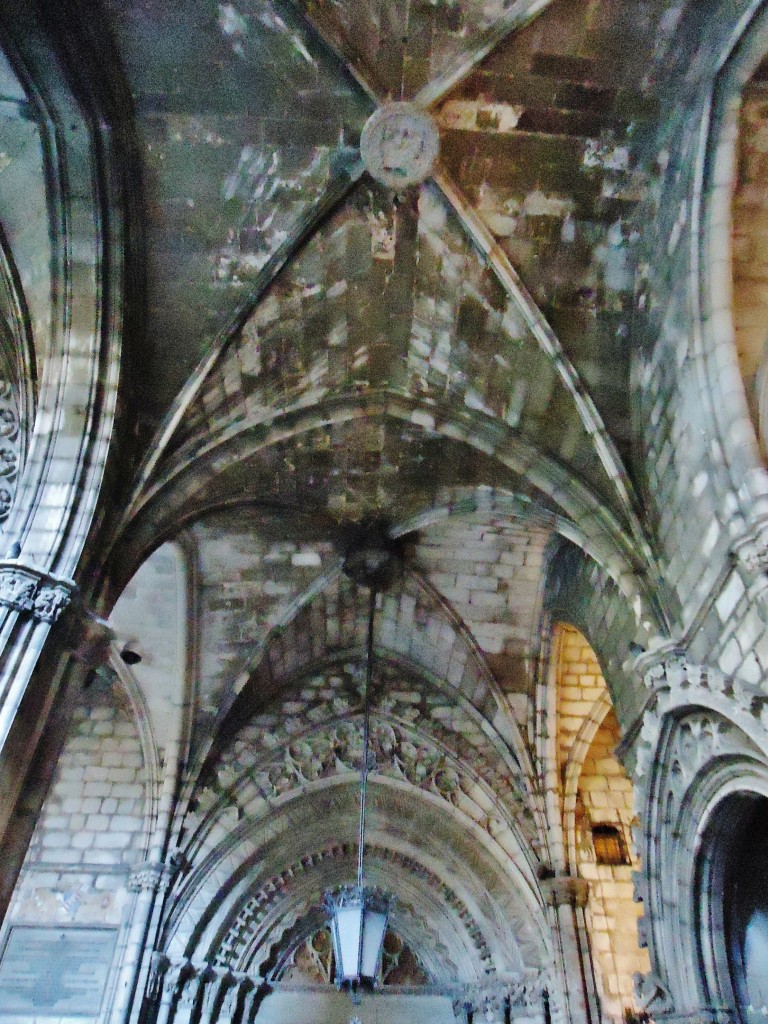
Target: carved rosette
26, 589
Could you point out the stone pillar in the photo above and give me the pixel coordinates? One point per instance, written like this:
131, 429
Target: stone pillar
214, 982
567, 899
231, 1004
252, 1002
189, 997
41, 674
172, 975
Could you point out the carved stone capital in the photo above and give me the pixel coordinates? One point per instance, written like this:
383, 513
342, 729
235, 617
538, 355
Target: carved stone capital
563, 890
152, 876
26, 588
665, 666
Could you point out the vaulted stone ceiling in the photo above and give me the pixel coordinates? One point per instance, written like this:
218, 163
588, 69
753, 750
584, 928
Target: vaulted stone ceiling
318, 351
313, 340
451, 360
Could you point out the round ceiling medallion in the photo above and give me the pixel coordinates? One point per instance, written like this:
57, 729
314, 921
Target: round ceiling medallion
399, 145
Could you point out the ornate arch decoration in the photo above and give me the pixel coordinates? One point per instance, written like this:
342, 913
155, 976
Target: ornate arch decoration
429, 759
445, 658
18, 379
88, 153
261, 928
702, 737
496, 891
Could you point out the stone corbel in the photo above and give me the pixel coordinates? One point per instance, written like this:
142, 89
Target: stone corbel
28, 589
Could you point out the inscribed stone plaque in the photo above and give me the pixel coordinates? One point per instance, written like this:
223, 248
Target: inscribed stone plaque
55, 971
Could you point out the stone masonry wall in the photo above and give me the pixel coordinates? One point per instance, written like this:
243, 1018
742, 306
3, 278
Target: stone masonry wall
682, 468
750, 238
581, 593
90, 834
604, 797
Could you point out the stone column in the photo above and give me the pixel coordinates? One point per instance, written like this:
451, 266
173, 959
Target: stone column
232, 1001
567, 899
215, 982
171, 980
189, 997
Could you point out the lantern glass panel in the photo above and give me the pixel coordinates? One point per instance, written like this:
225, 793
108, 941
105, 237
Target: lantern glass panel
374, 926
349, 921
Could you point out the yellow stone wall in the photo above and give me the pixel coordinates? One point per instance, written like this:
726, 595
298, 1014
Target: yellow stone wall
750, 239
604, 797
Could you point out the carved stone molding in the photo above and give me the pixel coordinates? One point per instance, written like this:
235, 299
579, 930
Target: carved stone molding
28, 589
673, 684
563, 890
488, 999
9, 447
258, 905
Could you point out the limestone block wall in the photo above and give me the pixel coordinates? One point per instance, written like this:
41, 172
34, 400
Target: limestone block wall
604, 797
750, 239
90, 835
582, 593
696, 448
490, 571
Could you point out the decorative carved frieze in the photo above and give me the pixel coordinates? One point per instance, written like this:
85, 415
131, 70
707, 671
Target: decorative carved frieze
489, 999
28, 589
256, 908
674, 683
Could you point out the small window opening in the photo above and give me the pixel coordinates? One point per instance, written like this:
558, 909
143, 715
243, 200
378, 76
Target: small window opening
610, 847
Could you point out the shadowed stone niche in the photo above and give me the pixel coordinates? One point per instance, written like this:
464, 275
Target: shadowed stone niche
735, 883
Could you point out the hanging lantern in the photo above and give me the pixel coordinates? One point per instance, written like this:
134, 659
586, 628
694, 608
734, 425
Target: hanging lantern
358, 920
358, 913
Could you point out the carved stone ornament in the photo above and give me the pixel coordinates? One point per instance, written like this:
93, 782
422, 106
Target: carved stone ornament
399, 145
751, 549
27, 589
489, 998
9, 448
152, 877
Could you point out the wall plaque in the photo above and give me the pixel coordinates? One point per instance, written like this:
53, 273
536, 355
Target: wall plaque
55, 971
